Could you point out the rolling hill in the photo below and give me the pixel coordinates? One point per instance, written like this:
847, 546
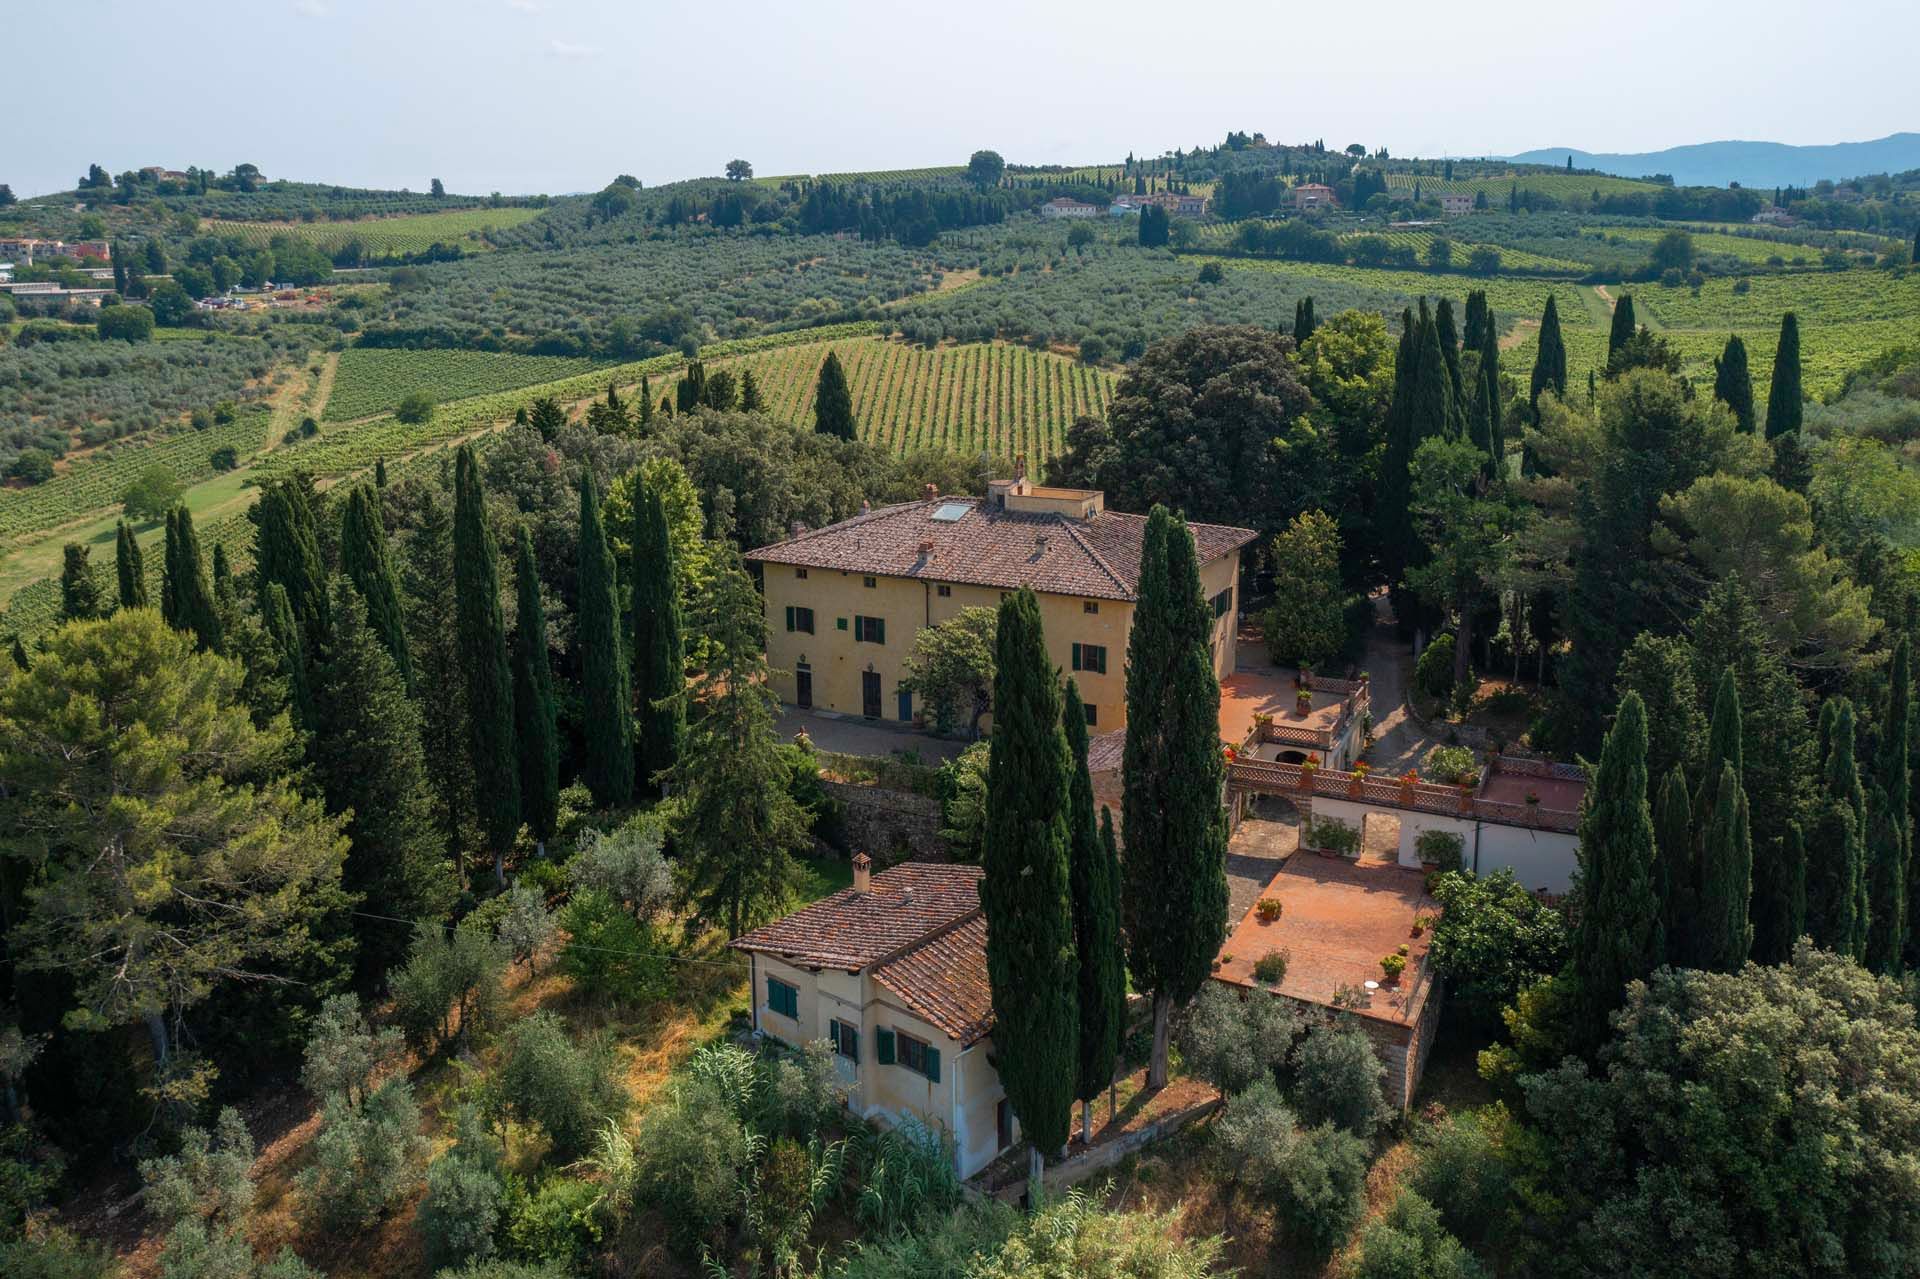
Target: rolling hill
1753, 164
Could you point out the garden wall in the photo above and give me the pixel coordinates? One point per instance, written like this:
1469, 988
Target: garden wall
889, 825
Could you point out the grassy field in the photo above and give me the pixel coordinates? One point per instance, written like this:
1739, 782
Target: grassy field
1511, 297
1559, 186
409, 234
374, 380
1741, 247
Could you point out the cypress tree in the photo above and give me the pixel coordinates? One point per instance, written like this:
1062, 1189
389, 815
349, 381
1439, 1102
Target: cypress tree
1779, 911
534, 708
1783, 397
607, 767
291, 648
287, 551
21, 662
643, 409
1432, 383
1303, 320
1724, 747
1475, 321
691, 390
1677, 869
750, 401
1619, 938
1449, 340
1030, 939
1892, 769
1550, 360
185, 602
1174, 883
365, 749
131, 566
380, 471
1724, 935
833, 402
364, 559
1835, 869
1393, 509
659, 652
81, 598
222, 574
427, 578
481, 640
1623, 327
1095, 876
1886, 883
1733, 383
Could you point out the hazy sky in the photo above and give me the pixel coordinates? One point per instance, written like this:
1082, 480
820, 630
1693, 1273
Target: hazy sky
560, 95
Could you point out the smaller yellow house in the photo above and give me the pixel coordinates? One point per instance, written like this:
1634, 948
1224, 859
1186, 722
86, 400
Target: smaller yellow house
892, 972
845, 601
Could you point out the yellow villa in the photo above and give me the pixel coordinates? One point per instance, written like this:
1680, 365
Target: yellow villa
844, 602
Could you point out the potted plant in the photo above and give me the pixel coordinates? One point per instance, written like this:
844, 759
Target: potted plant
1268, 909
1408, 780
1356, 779
1392, 966
1271, 968
1421, 923
1261, 723
1533, 799
1308, 767
1303, 702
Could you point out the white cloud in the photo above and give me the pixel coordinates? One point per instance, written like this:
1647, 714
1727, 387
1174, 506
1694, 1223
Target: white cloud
568, 49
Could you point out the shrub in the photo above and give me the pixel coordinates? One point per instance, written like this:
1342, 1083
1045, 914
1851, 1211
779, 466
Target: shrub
1322, 1192
466, 1198
34, 466
1234, 1041
799, 1091
566, 1089
1269, 909
626, 865
54, 1253
363, 1159
524, 924
1433, 673
1257, 1134
450, 984
415, 408
1333, 835
1271, 968
1212, 274
1410, 1243
225, 458
610, 954
1465, 1173
1444, 848
507, 1270
1452, 765
1493, 940
555, 1224
343, 1053
1393, 965
125, 323
691, 1151
905, 1174
1337, 1080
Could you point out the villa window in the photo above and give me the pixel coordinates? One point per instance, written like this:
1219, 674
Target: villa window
782, 998
1091, 658
869, 630
1090, 606
1093, 715
868, 582
943, 590
897, 1048
844, 1038
799, 619
1223, 603
800, 573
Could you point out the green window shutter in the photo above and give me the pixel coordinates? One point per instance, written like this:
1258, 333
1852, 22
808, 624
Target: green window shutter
789, 617
879, 630
840, 623
933, 1064
859, 628
883, 1046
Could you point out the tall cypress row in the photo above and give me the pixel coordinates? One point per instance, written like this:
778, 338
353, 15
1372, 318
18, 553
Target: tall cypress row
480, 635
1174, 881
1725, 935
659, 652
606, 685
131, 567
1025, 892
364, 559
186, 602
1095, 877
833, 402
1432, 383
1837, 838
1733, 382
1393, 507
1489, 390
1619, 938
1783, 397
1457, 391
534, 707
1890, 827
1677, 871
1779, 910
1623, 327
287, 551
1549, 361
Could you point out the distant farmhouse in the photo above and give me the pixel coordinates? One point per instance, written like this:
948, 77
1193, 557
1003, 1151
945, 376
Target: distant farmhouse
1312, 195
1187, 206
1065, 208
1453, 202
27, 249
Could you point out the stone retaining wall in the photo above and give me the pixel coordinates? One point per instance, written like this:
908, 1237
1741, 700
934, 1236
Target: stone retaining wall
889, 825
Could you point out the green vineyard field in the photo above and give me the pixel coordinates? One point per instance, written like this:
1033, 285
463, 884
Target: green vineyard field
1558, 186
1743, 248
410, 234
1513, 298
375, 379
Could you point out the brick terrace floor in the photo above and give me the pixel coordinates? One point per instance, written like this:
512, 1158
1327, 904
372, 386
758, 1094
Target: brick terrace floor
1250, 692
1338, 919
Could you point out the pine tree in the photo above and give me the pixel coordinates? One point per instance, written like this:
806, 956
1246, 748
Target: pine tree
81, 598
1783, 397
659, 652
1174, 887
1549, 361
1095, 876
289, 646
547, 417
365, 750
481, 638
1623, 327
364, 559
1676, 872
607, 767
1733, 384
534, 707
1835, 868
1724, 936
185, 602
1457, 391
1619, 938
1025, 892
833, 402
131, 567
287, 551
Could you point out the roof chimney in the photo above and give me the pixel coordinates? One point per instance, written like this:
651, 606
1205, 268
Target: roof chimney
862, 873
926, 549
796, 528
931, 491
866, 507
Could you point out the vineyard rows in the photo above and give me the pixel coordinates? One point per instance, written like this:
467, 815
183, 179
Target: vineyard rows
993, 397
1559, 186
411, 233
1744, 248
375, 379
1220, 236
1512, 297
98, 480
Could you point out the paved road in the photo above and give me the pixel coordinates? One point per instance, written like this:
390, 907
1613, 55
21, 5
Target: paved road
855, 736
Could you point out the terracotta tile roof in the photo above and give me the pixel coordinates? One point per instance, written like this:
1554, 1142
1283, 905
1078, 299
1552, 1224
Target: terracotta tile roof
1106, 751
988, 546
851, 930
944, 979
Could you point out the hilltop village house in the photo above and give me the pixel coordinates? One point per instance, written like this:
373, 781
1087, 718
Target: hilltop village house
892, 973
844, 602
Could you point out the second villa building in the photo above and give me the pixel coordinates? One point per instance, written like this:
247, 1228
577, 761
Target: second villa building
844, 602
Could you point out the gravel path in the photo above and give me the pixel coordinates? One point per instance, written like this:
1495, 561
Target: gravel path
1398, 742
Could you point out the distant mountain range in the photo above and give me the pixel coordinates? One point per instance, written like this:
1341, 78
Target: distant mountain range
1751, 164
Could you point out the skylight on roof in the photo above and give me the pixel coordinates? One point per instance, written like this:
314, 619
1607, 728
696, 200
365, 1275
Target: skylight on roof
948, 512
